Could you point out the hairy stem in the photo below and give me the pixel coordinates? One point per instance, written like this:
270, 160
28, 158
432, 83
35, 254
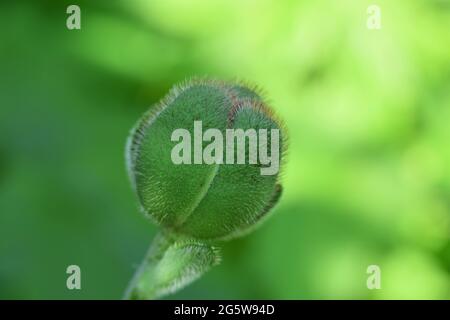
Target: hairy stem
170, 264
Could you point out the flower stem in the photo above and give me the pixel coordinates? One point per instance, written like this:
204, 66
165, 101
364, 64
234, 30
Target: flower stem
170, 264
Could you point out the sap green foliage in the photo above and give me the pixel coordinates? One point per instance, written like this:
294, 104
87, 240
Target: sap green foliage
367, 181
203, 201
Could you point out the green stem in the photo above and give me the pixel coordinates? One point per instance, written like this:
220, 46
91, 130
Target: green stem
170, 264
139, 287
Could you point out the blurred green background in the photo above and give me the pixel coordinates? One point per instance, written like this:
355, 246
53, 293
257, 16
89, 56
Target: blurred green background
368, 111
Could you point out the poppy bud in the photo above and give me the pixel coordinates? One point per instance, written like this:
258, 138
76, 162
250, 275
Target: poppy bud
205, 165
192, 184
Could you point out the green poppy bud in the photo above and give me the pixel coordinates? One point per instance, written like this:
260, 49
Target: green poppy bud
194, 197
205, 165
